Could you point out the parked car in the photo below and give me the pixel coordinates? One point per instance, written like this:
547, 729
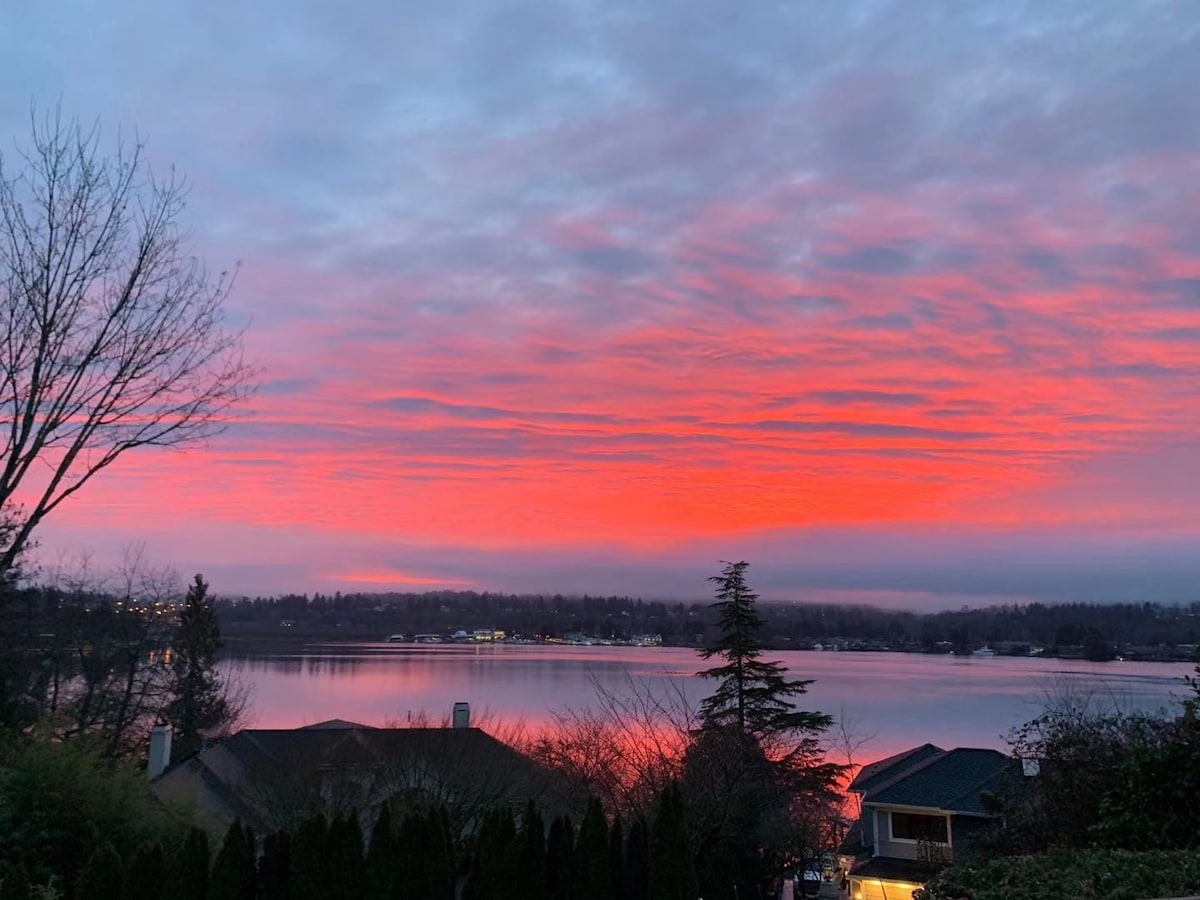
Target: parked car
807, 882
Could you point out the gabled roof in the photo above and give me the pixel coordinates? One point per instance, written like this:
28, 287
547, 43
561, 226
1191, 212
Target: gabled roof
948, 780
876, 773
255, 773
331, 725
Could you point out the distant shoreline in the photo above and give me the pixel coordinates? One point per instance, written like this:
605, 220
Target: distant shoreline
238, 644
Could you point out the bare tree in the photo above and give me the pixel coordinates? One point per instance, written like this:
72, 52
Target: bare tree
623, 749
98, 653
111, 333
848, 738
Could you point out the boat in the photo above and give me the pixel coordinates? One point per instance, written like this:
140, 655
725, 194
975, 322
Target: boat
984, 651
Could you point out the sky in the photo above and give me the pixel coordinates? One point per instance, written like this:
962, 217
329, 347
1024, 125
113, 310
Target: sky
898, 301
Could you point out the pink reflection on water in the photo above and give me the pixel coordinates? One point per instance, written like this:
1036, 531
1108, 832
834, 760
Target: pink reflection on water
893, 701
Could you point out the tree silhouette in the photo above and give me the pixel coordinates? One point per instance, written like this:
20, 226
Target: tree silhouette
672, 869
103, 877
593, 870
752, 696
199, 699
111, 332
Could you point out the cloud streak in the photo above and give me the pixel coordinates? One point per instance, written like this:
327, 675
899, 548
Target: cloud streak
647, 278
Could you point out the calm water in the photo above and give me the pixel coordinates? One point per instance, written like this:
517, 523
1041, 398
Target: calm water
898, 700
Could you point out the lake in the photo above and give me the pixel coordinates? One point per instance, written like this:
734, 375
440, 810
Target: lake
896, 700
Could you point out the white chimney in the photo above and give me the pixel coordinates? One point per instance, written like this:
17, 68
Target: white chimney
160, 750
462, 714
1031, 768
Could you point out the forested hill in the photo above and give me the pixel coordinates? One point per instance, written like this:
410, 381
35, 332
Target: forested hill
1142, 630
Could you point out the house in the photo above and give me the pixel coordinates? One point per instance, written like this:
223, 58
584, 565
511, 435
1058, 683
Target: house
272, 779
917, 807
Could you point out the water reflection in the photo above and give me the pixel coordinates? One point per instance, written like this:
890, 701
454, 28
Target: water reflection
899, 699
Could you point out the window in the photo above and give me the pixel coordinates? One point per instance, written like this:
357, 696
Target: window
915, 827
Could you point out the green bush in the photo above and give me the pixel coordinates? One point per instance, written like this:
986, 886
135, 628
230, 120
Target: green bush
103, 878
59, 803
1092, 874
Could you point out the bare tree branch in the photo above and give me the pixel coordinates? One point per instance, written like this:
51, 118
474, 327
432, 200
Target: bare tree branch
112, 335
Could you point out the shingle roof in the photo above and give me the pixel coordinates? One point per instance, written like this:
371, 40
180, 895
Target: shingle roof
237, 774
878, 772
953, 780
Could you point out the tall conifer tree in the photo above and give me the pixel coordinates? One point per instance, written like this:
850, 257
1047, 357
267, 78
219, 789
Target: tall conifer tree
233, 874
753, 696
672, 869
147, 873
593, 877
103, 877
381, 862
199, 701
531, 855
560, 859
310, 874
275, 867
187, 872
347, 871
635, 873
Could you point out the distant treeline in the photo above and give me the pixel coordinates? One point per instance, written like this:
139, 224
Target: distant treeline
1144, 630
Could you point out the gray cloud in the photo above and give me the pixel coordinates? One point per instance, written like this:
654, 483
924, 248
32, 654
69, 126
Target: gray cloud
869, 398
1190, 334
814, 304
874, 260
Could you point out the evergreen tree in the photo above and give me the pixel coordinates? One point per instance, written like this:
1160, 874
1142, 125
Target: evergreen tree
103, 877
233, 875
147, 873
310, 873
752, 696
381, 870
560, 859
443, 873
411, 860
198, 698
275, 866
755, 776
616, 858
187, 874
635, 874
427, 854
672, 869
530, 878
491, 872
741, 811
347, 871
593, 879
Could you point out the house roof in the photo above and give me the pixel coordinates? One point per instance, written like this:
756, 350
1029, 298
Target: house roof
886, 868
929, 777
871, 775
249, 772
331, 725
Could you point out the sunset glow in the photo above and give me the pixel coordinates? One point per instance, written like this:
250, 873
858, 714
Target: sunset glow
589, 300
